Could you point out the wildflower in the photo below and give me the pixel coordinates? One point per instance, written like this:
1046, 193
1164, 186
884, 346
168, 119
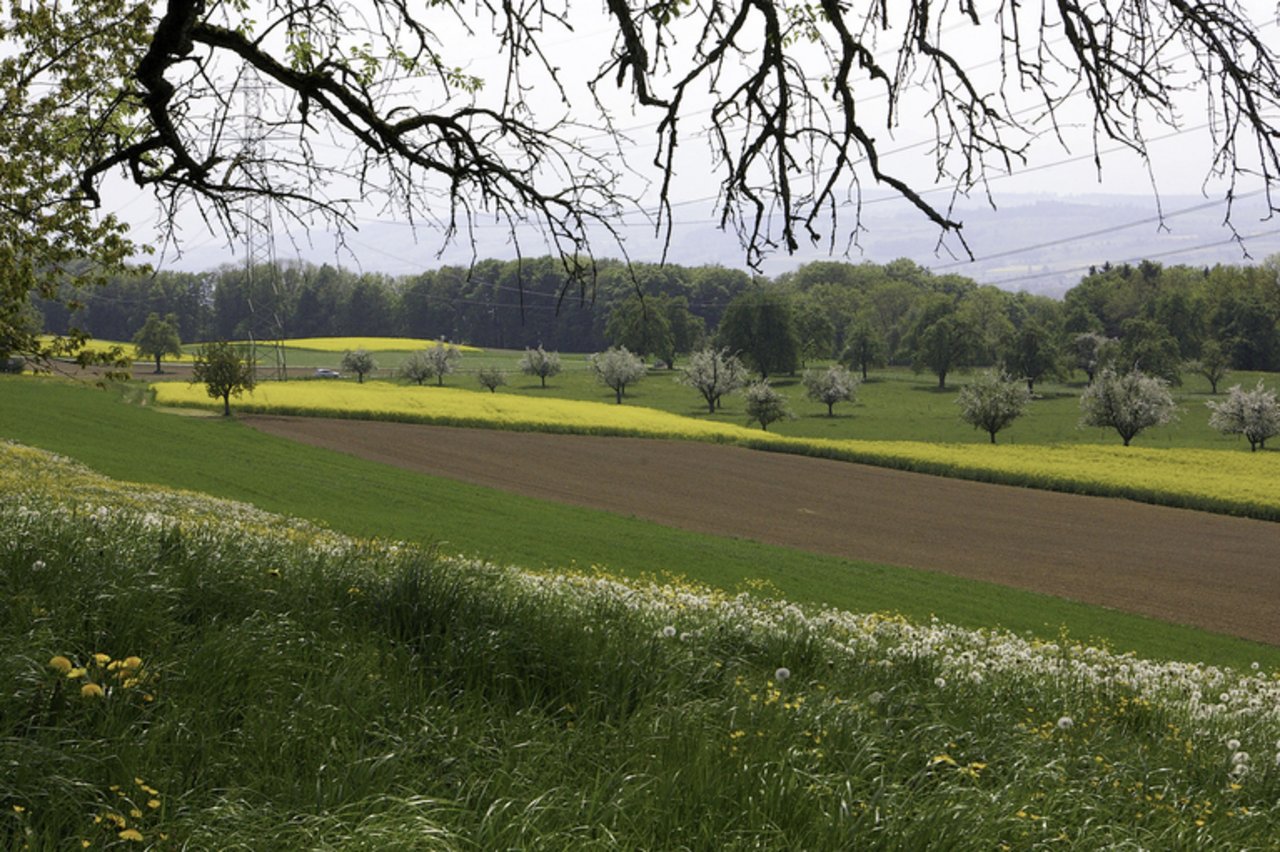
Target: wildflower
131, 834
668, 631
153, 803
101, 659
62, 665
91, 690
940, 682
18, 809
1065, 723
782, 674
877, 697
78, 671
1233, 745
38, 565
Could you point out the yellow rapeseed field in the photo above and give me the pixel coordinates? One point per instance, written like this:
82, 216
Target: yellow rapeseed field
456, 407
1218, 480
368, 344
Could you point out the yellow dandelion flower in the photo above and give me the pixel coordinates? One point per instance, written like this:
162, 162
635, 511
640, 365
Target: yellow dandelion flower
101, 658
19, 809
85, 844
117, 820
136, 813
132, 663
131, 834
91, 690
153, 803
76, 672
60, 664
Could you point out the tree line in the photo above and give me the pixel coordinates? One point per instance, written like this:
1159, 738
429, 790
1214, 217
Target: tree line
1159, 319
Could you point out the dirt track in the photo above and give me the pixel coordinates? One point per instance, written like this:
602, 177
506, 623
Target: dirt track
1195, 568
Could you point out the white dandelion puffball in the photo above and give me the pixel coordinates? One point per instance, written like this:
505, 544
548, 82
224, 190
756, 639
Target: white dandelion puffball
782, 674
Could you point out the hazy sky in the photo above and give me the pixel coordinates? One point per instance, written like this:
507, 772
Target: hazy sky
1179, 162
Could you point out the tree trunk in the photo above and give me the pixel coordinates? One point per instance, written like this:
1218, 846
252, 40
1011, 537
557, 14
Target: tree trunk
864, 371
618, 393
993, 435
226, 404
1031, 385
440, 380
544, 380
158, 370
831, 409
942, 380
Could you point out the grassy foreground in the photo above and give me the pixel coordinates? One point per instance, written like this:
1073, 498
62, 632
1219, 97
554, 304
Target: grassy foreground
184, 672
1224, 481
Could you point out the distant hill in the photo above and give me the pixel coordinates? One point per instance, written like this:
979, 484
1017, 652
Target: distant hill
1039, 243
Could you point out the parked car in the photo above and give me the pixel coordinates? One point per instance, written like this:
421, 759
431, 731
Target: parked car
326, 373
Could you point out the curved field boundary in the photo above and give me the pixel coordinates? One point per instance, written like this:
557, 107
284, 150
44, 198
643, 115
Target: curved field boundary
1209, 571
1223, 481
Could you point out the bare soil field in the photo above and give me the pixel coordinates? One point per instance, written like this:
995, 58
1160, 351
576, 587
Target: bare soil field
1211, 571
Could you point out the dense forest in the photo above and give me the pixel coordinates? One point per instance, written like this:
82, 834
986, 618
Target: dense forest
1152, 316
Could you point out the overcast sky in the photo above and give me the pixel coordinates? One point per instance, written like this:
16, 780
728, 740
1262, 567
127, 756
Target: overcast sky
1179, 162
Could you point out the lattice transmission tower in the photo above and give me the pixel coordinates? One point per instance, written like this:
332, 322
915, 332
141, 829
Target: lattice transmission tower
262, 273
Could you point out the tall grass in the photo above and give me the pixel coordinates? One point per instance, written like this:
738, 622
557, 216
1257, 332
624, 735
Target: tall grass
297, 689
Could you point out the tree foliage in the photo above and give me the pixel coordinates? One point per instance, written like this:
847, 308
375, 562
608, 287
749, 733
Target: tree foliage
538, 362
992, 401
616, 368
713, 373
361, 363
864, 346
829, 386
1254, 414
223, 372
158, 338
491, 378
1127, 402
441, 360
1032, 353
1213, 364
1091, 351
759, 327
764, 404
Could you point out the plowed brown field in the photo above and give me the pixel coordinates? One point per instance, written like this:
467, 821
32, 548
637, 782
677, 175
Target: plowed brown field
1211, 571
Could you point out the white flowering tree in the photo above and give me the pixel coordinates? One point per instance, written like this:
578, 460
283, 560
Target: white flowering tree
713, 373
1254, 414
765, 405
829, 386
491, 378
1128, 403
992, 402
617, 368
541, 363
359, 362
434, 363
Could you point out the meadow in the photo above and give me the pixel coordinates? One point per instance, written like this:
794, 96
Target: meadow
131, 441
186, 672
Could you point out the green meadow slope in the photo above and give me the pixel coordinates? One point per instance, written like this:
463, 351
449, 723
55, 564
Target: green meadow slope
226, 459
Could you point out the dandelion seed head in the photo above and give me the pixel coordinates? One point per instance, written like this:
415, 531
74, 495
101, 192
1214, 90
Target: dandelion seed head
940, 682
1066, 723
782, 674
1233, 745
668, 631
38, 565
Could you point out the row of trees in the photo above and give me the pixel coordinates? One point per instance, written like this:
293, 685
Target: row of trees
1160, 320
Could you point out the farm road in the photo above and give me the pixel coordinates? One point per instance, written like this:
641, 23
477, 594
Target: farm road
1211, 571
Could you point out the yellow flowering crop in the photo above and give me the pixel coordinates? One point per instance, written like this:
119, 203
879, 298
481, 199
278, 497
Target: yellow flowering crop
456, 407
369, 344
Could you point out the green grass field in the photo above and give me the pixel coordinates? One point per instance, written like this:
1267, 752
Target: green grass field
185, 673
229, 460
894, 404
